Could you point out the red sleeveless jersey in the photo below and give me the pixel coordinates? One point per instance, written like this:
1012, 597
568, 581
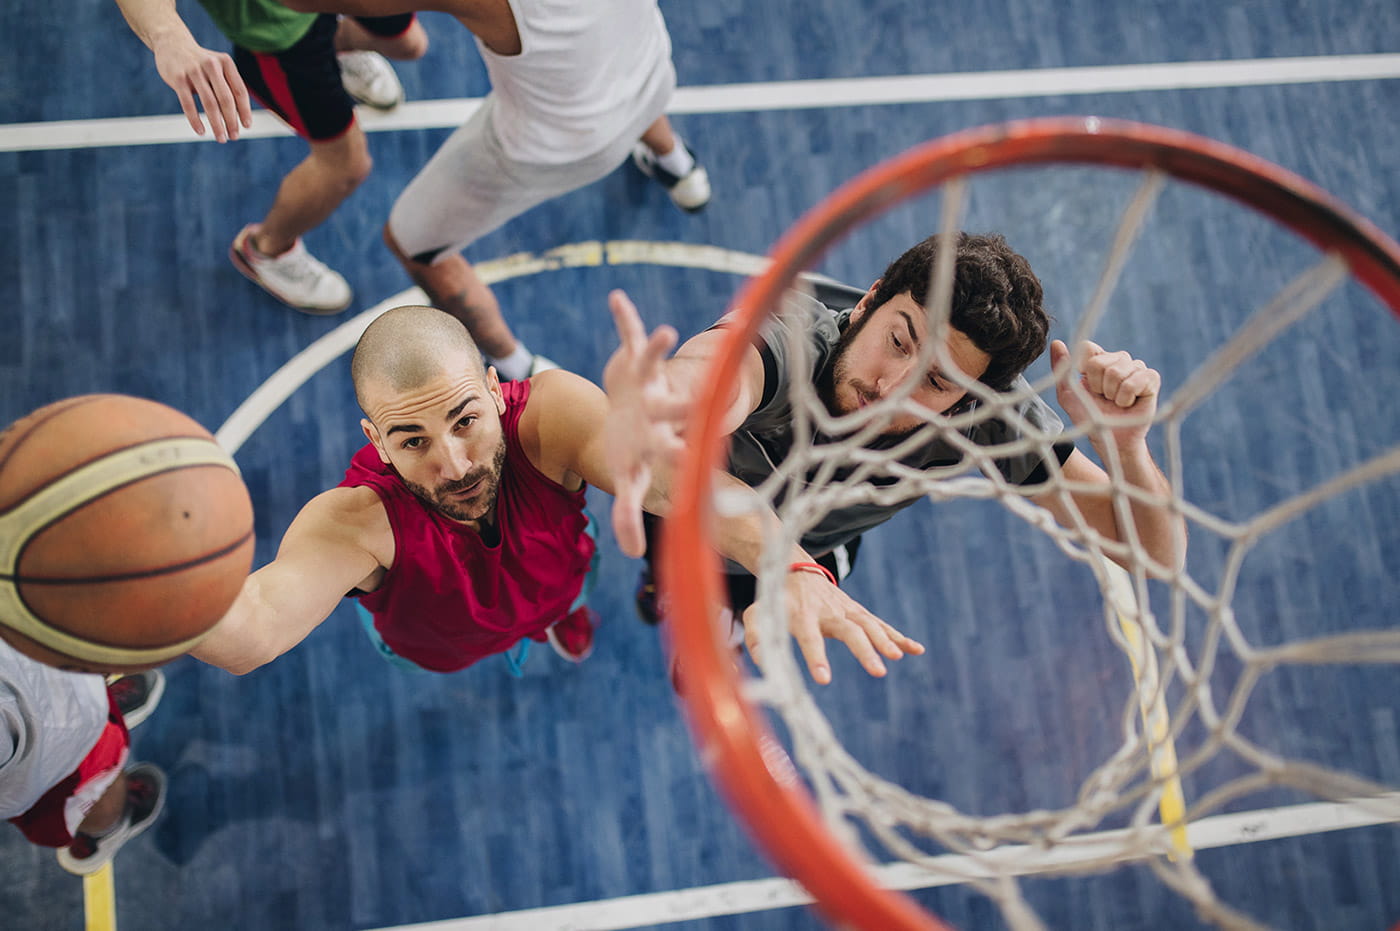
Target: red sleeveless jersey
450, 599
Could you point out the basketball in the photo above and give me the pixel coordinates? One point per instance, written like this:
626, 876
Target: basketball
126, 533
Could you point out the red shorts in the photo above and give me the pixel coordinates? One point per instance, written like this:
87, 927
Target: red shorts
59, 811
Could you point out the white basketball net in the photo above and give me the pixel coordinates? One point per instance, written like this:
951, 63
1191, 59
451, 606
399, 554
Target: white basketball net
1140, 783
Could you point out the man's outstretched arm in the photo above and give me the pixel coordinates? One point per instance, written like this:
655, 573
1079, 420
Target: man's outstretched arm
193, 72
322, 557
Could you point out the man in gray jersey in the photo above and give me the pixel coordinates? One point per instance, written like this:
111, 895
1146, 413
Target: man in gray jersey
998, 326
65, 781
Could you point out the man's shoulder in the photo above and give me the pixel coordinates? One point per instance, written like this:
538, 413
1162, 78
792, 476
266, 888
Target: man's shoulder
347, 508
562, 413
553, 392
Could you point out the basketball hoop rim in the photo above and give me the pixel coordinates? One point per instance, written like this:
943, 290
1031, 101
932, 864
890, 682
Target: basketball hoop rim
730, 732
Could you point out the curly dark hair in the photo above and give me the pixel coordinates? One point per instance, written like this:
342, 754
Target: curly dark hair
997, 300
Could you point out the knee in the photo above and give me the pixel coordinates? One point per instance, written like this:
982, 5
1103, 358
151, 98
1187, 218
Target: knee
359, 165
393, 244
347, 168
413, 44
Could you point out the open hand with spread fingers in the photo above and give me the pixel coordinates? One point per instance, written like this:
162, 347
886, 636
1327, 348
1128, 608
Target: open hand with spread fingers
817, 611
645, 417
211, 78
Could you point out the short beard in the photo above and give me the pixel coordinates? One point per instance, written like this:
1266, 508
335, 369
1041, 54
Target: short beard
837, 367
837, 371
485, 502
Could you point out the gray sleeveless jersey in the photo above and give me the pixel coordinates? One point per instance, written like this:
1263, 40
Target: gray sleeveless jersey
766, 437
49, 721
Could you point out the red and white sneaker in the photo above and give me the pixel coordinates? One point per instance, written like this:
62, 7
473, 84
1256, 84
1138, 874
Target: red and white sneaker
370, 79
145, 797
572, 638
296, 277
137, 694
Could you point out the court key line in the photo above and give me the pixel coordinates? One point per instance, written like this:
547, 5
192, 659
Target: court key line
774, 95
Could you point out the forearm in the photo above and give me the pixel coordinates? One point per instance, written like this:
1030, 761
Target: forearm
155, 22
272, 614
740, 534
243, 640
1160, 531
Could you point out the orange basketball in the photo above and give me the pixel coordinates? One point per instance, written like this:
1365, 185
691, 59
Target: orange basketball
125, 533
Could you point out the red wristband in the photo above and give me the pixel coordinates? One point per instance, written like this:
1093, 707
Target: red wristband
813, 567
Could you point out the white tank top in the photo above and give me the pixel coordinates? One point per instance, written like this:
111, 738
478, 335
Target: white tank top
49, 721
583, 69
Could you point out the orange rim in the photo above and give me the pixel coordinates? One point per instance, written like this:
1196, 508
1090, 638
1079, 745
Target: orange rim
729, 731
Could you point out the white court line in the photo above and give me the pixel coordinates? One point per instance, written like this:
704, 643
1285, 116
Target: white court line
775, 95
637, 911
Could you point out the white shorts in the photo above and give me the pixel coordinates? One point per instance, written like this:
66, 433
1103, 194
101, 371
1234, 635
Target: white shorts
470, 186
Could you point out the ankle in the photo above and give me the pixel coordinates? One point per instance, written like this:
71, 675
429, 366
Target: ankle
678, 161
268, 247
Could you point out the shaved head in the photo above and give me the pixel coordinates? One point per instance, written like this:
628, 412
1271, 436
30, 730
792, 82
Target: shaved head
406, 347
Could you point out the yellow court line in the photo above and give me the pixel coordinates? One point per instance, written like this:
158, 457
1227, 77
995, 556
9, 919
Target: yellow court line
100, 900
1155, 720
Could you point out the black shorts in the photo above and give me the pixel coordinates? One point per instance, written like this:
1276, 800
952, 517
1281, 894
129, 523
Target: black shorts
302, 84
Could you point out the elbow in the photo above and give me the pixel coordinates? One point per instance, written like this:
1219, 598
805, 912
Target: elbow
236, 665
1170, 552
238, 659
242, 667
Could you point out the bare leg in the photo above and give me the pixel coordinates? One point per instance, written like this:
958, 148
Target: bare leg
351, 36
659, 137
312, 190
104, 815
454, 286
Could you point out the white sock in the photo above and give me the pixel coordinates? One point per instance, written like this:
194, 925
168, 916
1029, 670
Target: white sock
678, 161
516, 366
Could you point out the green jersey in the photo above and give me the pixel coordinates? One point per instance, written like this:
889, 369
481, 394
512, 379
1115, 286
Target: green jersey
259, 25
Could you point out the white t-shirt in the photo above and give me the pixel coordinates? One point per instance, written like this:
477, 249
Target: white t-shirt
49, 721
583, 69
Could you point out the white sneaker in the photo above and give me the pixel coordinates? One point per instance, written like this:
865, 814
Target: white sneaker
370, 79
295, 277
690, 193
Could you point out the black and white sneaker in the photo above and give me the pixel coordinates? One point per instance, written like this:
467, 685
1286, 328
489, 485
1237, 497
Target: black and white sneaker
145, 797
690, 193
137, 694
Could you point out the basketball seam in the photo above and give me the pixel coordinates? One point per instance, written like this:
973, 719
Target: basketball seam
59, 408
18, 579
98, 458
45, 626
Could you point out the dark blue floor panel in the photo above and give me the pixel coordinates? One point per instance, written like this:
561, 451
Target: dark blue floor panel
330, 791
